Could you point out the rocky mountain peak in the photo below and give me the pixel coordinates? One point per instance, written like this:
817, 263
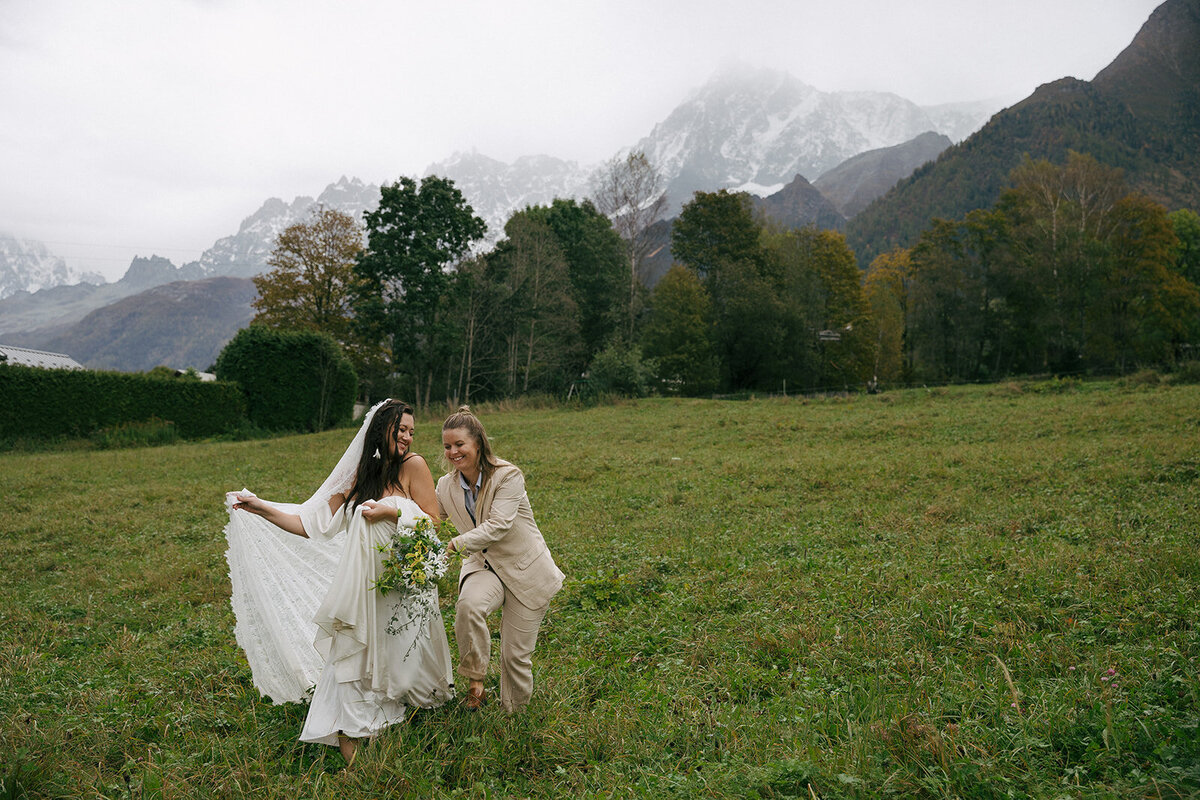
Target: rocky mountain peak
148, 271
799, 204
495, 189
757, 129
27, 265
245, 254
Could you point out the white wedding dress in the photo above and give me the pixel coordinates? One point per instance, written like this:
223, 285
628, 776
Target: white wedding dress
307, 615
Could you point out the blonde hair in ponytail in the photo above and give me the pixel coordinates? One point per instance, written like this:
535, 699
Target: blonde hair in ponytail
463, 419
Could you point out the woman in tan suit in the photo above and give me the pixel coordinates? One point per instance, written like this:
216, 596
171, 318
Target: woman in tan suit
506, 562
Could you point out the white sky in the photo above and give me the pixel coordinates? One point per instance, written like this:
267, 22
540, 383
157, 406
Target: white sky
139, 127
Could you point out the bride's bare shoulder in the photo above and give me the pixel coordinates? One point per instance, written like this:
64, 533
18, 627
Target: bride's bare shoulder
415, 464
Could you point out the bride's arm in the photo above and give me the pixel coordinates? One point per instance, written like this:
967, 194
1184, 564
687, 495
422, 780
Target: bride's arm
281, 519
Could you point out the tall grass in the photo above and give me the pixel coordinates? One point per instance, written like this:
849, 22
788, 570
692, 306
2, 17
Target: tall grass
963, 592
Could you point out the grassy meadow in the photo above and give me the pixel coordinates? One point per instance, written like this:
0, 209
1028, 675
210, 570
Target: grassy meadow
963, 592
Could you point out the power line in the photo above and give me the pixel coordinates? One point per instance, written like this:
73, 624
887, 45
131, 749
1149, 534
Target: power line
126, 246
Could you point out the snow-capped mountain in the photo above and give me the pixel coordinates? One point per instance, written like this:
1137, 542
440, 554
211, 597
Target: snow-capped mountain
746, 129
495, 189
756, 129
245, 254
43, 315
28, 265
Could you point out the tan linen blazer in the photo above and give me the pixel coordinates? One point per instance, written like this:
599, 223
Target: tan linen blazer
506, 536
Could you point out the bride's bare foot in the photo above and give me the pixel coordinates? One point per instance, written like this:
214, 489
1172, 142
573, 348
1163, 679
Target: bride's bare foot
348, 748
476, 696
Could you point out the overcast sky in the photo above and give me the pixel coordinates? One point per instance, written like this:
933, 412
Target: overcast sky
133, 127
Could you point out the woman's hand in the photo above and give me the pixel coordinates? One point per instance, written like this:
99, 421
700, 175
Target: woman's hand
374, 511
247, 501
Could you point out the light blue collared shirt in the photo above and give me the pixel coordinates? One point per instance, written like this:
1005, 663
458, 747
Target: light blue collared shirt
468, 495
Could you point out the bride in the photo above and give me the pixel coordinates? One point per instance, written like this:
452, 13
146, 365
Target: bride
306, 610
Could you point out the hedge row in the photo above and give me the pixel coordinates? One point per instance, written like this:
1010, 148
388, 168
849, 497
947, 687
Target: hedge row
50, 403
293, 380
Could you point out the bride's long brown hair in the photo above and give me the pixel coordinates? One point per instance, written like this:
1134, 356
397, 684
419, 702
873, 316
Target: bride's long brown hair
379, 470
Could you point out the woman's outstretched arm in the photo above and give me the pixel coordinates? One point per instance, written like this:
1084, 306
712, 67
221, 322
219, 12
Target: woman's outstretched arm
281, 519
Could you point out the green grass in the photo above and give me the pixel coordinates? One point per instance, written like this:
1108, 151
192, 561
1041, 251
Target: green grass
967, 592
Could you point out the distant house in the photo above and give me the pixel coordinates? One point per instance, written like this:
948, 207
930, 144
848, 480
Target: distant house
25, 357
203, 376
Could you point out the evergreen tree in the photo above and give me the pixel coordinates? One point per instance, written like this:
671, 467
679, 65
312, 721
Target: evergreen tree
292, 380
414, 236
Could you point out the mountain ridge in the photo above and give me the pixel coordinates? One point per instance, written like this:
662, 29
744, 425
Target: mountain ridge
178, 324
1141, 113
853, 184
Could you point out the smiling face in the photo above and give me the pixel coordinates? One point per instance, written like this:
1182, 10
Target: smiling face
402, 435
462, 451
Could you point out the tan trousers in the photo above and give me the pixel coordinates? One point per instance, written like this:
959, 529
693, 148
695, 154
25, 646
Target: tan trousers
481, 594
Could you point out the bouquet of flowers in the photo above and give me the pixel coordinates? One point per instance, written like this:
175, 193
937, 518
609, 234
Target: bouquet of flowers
415, 559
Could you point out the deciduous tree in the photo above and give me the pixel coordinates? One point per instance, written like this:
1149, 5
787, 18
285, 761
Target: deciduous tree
715, 229
312, 274
596, 264
886, 289
1143, 310
818, 289
1187, 251
1063, 215
473, 309
717, 236
677, 337
542, 331
630, 192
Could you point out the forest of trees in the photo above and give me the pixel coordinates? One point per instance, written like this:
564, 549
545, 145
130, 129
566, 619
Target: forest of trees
1068, 272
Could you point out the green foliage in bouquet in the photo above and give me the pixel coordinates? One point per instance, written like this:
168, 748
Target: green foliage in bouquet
415, 559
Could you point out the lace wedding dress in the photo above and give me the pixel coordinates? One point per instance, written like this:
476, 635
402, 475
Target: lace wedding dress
307, 615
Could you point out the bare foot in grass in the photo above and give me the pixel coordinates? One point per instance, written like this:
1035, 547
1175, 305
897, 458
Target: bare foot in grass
348, 748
